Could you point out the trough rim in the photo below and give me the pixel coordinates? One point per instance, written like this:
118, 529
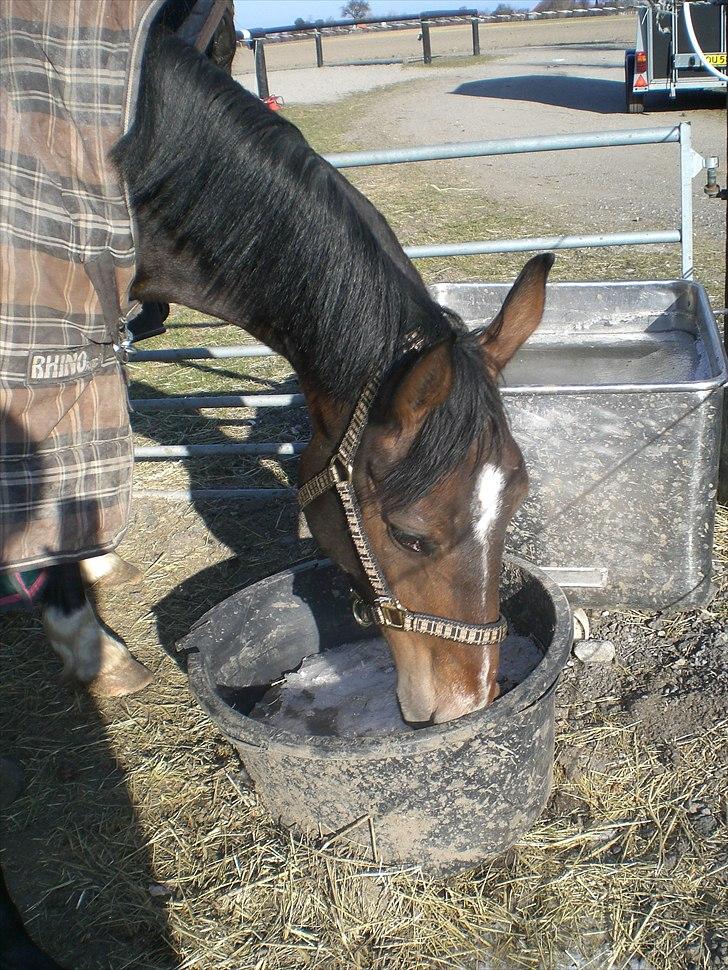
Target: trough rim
536, 688
706, 328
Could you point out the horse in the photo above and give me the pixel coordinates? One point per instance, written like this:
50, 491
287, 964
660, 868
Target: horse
67, 256
238, 217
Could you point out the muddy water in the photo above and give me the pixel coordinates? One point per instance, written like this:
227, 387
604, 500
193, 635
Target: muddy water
350, 691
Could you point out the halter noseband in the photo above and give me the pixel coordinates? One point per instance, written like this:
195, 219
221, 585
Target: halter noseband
385, 609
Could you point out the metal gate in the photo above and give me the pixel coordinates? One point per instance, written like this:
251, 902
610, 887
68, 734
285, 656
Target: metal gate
690, 164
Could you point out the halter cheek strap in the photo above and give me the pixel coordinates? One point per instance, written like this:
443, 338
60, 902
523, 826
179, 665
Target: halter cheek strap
385, 610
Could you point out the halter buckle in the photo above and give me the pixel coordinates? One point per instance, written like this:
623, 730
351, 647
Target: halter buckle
341, 471
392, 614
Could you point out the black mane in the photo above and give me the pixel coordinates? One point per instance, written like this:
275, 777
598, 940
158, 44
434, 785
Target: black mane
285, 243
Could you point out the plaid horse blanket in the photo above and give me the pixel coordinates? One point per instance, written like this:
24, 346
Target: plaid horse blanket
68, 76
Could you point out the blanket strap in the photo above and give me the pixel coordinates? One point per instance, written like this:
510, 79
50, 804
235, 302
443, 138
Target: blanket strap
202, 22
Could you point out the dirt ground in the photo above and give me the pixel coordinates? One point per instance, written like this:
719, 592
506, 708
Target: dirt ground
562, 91
545, 78
137, 843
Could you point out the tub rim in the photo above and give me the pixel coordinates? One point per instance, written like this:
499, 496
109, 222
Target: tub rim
537, 687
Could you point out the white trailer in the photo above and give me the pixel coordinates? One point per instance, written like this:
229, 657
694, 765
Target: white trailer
679, 47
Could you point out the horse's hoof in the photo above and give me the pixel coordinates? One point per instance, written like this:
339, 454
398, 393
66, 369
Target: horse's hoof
110, 570
126, 676
92, 655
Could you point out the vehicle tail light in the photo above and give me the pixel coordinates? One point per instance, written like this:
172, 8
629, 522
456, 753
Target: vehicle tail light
640, 62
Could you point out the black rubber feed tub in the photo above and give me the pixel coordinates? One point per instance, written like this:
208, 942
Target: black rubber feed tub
443, 797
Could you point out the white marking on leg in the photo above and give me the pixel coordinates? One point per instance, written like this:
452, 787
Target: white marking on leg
92, 654
77, 638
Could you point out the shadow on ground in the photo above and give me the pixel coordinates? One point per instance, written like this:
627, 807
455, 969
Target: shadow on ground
599, 95
260, 534
73, 856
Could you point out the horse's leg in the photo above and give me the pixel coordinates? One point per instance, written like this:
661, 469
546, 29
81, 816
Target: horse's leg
91, 653
109, 570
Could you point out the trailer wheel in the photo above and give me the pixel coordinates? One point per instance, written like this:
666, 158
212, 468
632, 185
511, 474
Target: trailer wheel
635, 103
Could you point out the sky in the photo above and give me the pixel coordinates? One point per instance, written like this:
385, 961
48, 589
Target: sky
279, 13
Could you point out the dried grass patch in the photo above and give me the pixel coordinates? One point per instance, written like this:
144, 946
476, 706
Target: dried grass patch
614, 871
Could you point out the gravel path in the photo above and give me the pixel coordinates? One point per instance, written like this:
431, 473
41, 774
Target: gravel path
560, 90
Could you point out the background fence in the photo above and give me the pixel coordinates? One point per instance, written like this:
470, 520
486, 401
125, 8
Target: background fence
259, 35
427, 21
689, 164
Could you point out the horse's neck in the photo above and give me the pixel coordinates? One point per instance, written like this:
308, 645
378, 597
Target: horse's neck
259, 232
178, 280
166, 274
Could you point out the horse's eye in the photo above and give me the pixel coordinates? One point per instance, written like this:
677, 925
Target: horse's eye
409, 542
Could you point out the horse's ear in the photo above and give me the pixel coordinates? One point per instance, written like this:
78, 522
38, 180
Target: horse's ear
424, 386
520, 314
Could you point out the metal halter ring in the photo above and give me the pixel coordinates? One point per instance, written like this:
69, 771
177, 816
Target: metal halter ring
361, 610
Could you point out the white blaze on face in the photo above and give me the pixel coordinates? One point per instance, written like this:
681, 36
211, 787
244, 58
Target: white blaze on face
487, 504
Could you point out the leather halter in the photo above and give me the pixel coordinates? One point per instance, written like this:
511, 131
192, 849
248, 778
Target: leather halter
385, 609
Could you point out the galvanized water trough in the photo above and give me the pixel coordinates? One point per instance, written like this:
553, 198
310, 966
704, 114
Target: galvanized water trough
443, 797
616, 404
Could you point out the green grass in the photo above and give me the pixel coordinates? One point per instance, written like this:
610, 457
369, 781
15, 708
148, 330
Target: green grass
327, 126
455, 60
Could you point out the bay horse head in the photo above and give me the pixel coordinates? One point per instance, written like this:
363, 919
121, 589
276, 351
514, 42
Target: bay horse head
436, 478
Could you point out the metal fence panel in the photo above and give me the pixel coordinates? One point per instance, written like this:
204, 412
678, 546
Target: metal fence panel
689, 163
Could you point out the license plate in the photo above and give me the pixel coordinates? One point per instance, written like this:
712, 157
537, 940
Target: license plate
717, 60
